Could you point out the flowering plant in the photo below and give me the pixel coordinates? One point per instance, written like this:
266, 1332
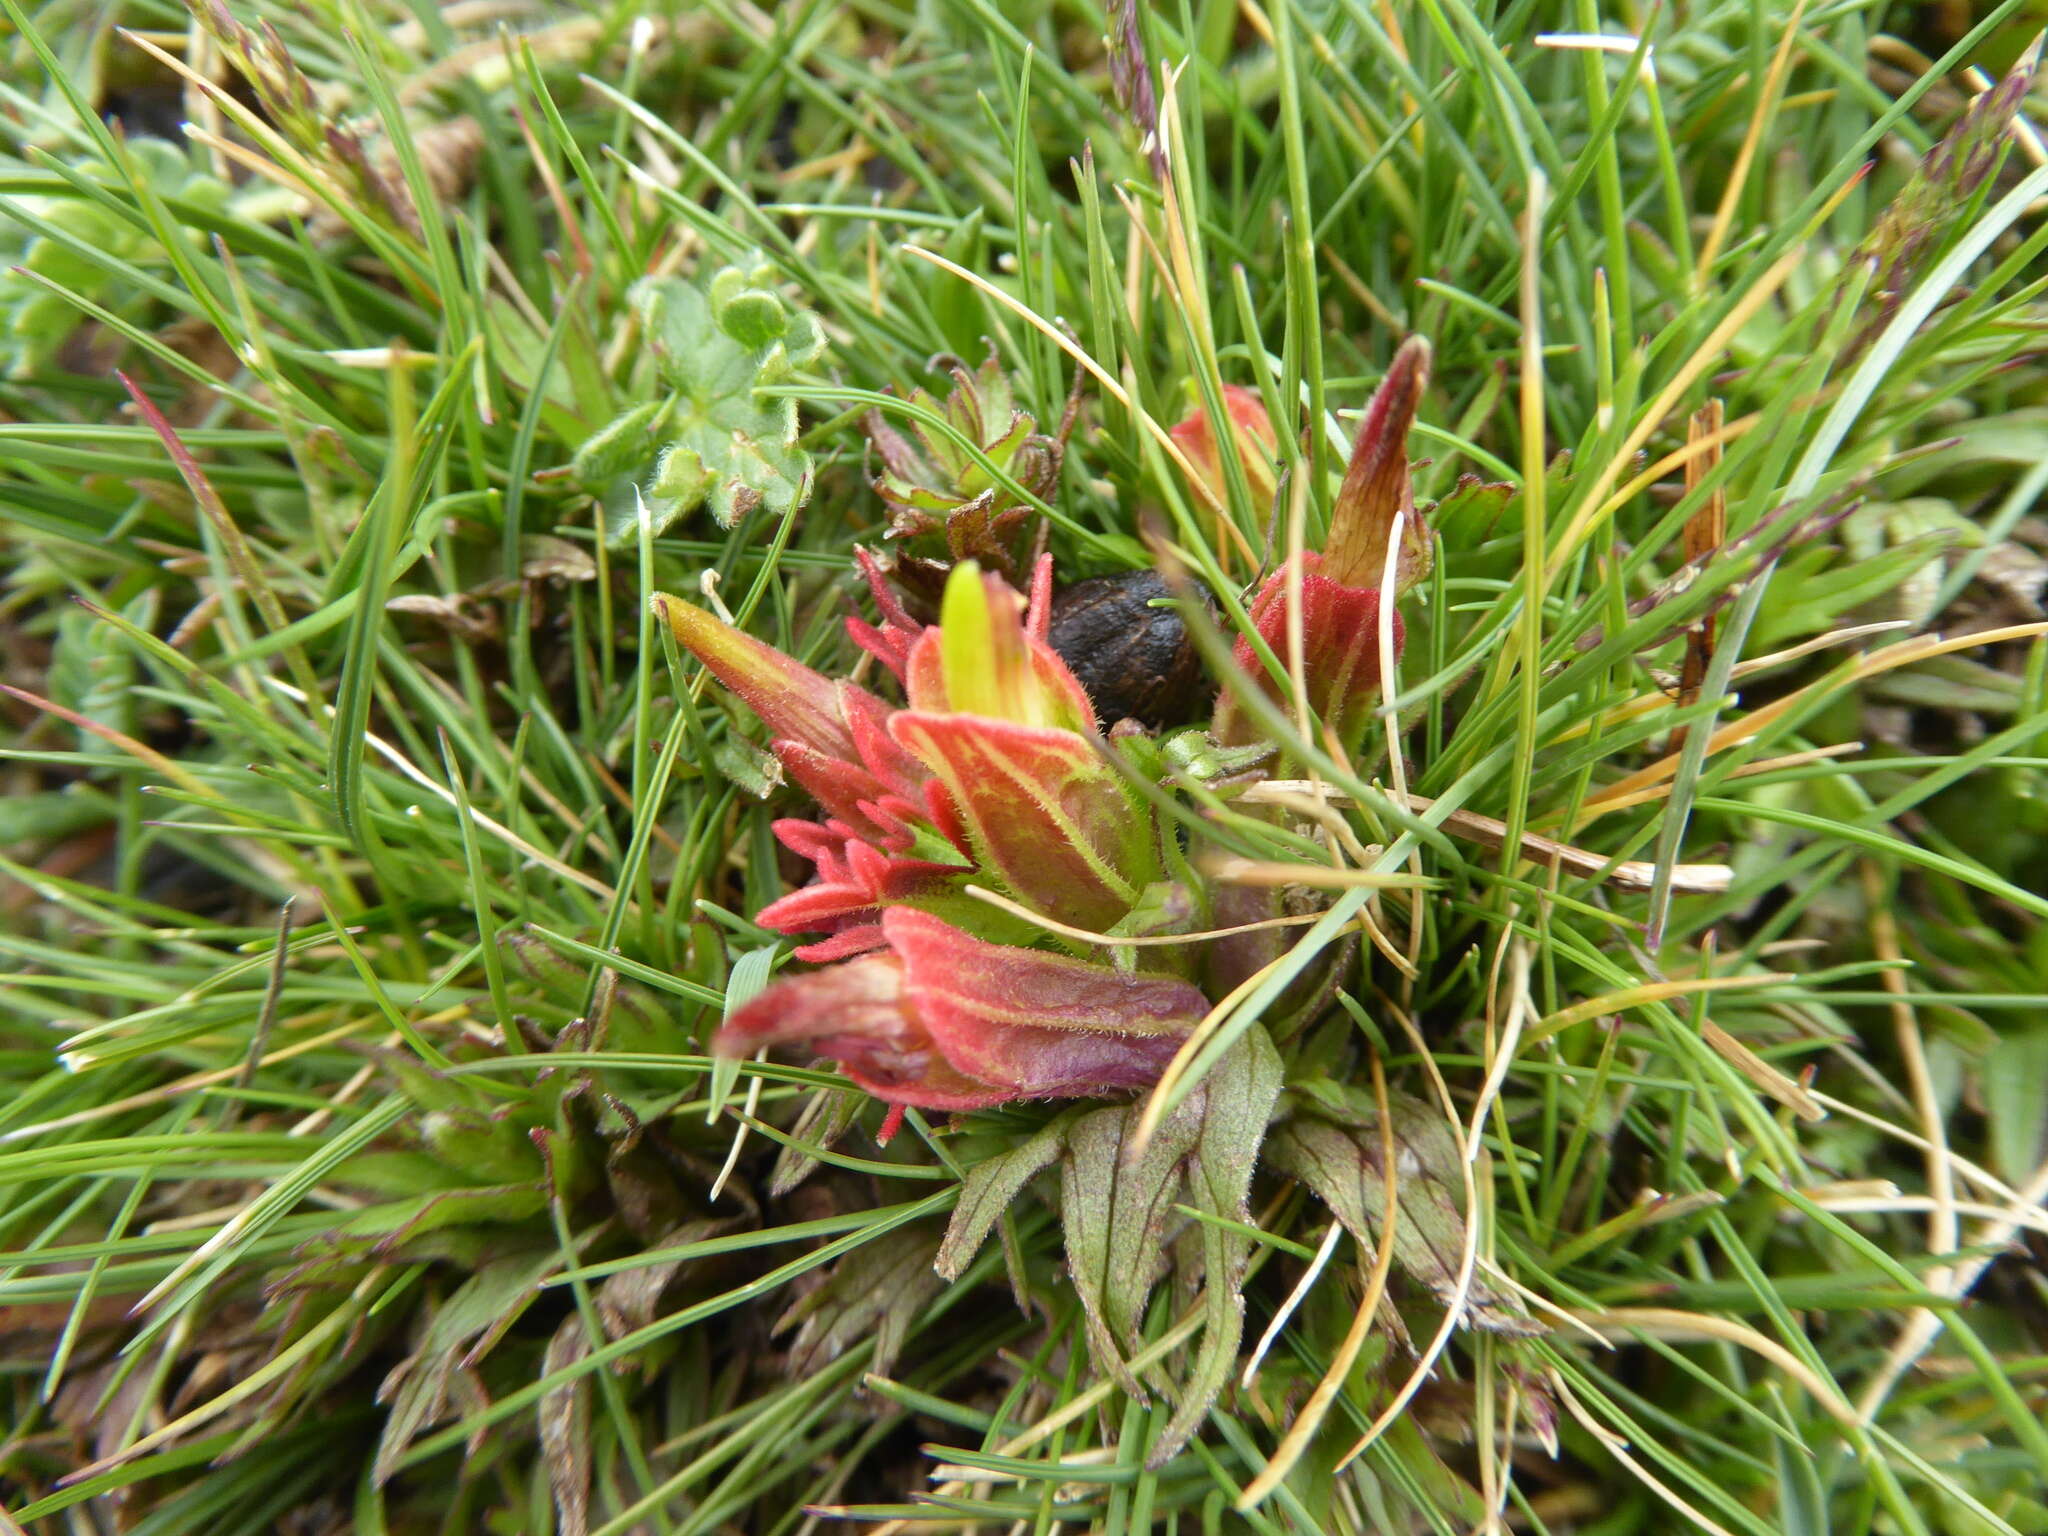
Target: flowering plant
963, 833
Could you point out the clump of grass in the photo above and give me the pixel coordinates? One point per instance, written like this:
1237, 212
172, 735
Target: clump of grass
374, 872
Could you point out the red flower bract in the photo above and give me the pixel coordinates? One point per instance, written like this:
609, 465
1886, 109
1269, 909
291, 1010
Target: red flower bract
944, 1020
1340, 631
1252, 431
1339, 624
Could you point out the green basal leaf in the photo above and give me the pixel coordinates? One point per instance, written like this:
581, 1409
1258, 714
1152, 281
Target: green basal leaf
1237, 1102
721, 437
1113, 1207
1335, 1149
988, 1189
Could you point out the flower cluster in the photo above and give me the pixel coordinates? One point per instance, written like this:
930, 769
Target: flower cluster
993, 779
988, 776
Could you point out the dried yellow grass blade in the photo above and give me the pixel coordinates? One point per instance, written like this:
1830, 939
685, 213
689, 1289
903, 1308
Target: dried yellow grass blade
1487, 831
1120, 941
1746, 771
1738, 177
1673, 1326
1766, 1078
1176, 1069
1649, 992
1278, 872
1598, 505
1746, 726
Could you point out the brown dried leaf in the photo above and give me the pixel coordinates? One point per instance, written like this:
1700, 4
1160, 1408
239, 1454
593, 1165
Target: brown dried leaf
876, 1292
628, 1300
543, 557
564, 1416
460, 614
